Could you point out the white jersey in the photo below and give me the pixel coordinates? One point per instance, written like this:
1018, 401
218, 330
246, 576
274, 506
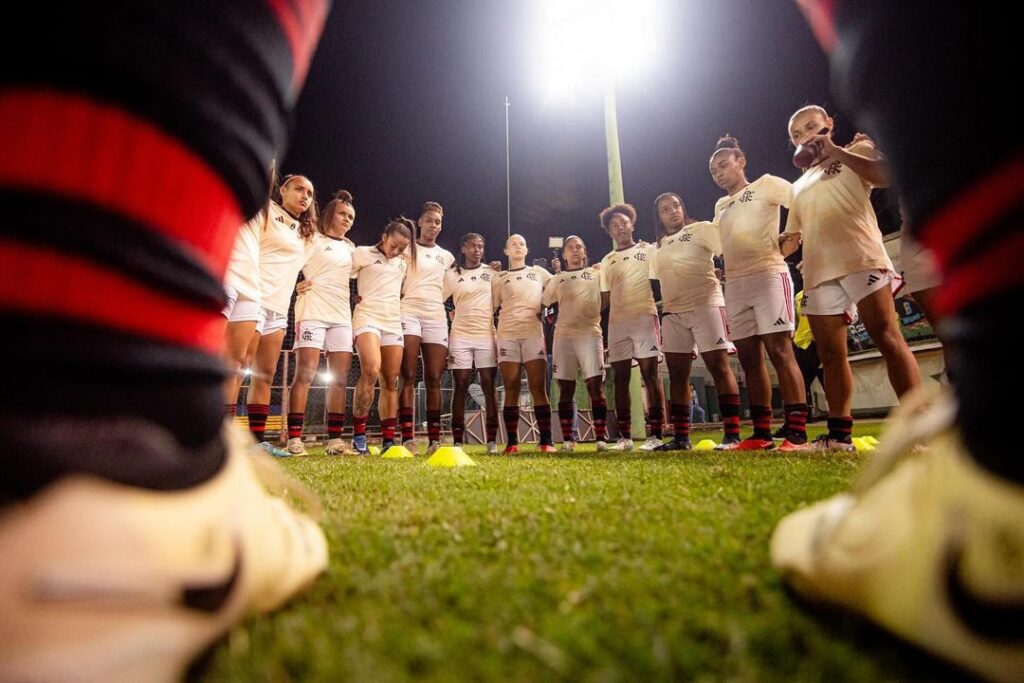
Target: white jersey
470, 290
243, 273
422, 294
578, 295
328, 267
831, 206
626, 275
749, 223
379, 280
518, 293
685, 267
282, 253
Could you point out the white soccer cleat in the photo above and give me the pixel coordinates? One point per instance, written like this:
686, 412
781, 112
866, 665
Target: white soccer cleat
411, 445
492, 448
602, 445
928, 545
651, 444
337, 447
622, 445
296, 447
568, 446
106, 582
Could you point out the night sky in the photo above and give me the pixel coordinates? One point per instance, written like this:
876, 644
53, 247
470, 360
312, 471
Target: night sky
404, 103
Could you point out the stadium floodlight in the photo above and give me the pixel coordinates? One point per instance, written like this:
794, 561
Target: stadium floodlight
589, 46
326, 377
247, 372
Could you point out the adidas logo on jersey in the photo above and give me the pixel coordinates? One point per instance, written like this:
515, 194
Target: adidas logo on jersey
462, 279
377, 262
280, 219
328, 248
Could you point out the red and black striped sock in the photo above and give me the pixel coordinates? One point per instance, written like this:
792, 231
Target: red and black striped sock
511, 417
230, 410
433, 426
730, 407
796, 422
600, 408
543, 415
335, 425
405, 420
655, 421
761, 416
680, 421
491, 427
387, 429
359, 425
257, 413
840, 428
112, 223
458, 430
566, 415
295, 421
624, 421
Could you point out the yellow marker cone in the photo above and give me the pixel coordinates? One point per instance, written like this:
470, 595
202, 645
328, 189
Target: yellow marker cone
398, 452
374, 450
871, 440
862, 445
705, 445
450, 456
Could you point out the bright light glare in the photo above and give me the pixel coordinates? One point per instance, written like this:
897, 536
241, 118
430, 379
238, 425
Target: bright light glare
248, 371
581, 45
326, 377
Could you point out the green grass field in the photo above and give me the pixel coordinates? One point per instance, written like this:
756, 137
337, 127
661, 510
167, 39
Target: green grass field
583, 567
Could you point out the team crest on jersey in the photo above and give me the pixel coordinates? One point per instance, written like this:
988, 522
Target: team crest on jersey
439, 258
532, 276
587, 276
685, 238
486, 277
834, 168
748, 196
640, 256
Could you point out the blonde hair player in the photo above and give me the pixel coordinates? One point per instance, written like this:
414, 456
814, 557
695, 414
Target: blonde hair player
424, 326
471, 343
845, 267
759, 295
517, 295
693, 309
288, 226
323, 322
575, 293
377, 328
633, 329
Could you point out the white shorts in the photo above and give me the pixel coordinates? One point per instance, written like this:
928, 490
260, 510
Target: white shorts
840, 296
429, 331
638, 338
521, 350
313, 334
697, 331
920, 271
238, 309
759, 304
569, 354
386, 338
465, 354
273, 322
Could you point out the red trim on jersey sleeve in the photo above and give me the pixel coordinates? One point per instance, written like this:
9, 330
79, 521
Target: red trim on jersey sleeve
964, 221
994, 272
70, 145
42, 281
301, 21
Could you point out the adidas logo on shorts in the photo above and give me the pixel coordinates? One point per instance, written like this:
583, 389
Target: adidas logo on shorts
654, 348
872, 279
780, 321
720, 341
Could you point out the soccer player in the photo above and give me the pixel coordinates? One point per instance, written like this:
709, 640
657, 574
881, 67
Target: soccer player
377, 328
845, 266
694, 315
471, 343
516, 296
424, 326
758, 294
288, 227
137, 528
927, 545
575, 292
323, 322
633, 330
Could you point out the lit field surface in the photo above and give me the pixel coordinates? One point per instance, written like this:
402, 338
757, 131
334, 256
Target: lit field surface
581, 567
